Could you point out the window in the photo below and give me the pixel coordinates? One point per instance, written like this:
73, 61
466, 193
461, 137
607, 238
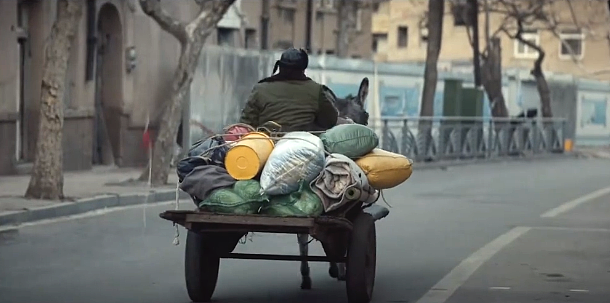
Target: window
225, 36
288, 2
524, 51
327, 4
288, 15
423, 35
250, 38
376, 7
460, 11
380, 42
573, 38
359, 19
403, 36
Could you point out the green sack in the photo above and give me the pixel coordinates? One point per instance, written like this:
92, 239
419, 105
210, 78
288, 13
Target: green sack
302, 203
350, 140
250, 191
244, 198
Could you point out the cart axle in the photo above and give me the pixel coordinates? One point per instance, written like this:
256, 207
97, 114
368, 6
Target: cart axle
280, 257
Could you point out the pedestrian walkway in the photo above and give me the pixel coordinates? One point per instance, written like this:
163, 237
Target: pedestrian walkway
85, 191
600, 152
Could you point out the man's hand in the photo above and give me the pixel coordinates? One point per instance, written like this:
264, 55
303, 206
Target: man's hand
341, 120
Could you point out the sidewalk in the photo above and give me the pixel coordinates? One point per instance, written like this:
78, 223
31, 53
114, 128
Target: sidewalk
99, 188
600, 152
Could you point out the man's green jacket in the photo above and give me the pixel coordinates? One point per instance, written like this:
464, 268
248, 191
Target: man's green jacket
297, 105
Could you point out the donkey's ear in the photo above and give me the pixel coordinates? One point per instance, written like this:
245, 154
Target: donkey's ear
363, 91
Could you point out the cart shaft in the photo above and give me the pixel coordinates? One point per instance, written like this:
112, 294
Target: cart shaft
280, 257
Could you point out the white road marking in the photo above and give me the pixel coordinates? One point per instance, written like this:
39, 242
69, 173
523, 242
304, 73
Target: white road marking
558, 228
579, 290
576, 202
93, 213
440, 292
499, 288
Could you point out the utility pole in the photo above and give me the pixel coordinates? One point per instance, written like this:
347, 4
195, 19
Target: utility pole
308, 26
473, 6
265, 26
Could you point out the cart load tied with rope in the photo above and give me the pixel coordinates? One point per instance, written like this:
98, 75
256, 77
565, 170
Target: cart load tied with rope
347, 235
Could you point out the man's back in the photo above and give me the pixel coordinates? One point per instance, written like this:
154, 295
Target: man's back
294, 104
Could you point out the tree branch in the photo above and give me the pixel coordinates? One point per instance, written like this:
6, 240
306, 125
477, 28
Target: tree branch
519, 36
212, 11
153, 9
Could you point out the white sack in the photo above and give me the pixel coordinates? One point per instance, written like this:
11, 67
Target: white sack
297, 157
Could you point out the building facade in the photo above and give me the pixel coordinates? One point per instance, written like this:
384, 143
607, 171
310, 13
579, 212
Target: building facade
121, 66
400, 34
288, 26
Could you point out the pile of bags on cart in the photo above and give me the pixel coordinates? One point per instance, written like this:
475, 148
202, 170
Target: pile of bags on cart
245, 171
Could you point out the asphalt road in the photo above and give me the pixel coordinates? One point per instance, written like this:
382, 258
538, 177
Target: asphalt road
471, 234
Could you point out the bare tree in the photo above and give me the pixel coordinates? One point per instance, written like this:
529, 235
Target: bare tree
436, 10
47, 181
491, 67
516, 18
191, 37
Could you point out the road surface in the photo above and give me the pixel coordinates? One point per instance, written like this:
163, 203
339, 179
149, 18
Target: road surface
471, 234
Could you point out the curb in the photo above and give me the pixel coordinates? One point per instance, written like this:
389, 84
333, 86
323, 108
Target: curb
88, 204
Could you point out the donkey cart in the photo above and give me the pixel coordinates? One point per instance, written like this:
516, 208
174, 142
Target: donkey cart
348, 239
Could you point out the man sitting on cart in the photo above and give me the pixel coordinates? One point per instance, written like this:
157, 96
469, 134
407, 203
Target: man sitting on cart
289, 98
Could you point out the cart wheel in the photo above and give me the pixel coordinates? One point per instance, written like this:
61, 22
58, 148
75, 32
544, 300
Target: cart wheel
361, 260
200, 268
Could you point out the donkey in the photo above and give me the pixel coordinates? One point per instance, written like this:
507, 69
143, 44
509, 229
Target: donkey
350, 108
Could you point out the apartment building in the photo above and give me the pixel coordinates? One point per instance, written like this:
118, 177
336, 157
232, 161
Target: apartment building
400, 34
288, 26
121, 66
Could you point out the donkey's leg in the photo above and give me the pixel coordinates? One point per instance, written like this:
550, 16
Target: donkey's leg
341, 271
303, 240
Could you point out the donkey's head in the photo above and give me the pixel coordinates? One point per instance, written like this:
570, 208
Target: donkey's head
353, 106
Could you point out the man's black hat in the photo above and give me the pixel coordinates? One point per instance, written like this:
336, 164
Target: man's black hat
293, 58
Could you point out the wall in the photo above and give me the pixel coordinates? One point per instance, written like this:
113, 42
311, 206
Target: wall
9, 82
593, 113
225, 77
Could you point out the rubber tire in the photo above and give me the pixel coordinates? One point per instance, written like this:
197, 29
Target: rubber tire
361, 260
201, 265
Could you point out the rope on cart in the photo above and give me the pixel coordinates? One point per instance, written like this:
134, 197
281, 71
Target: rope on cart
383, 198
230, 143
149, 181
177, 234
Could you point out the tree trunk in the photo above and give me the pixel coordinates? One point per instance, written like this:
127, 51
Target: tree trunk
543, 87
191, 37
47, 179
171, 115
436, 9
492, 79
346, 15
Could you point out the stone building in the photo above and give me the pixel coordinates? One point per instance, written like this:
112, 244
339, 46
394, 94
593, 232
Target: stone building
121, 65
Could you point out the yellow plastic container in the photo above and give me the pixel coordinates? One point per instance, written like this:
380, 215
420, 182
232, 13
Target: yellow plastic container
248, 156
385, 169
